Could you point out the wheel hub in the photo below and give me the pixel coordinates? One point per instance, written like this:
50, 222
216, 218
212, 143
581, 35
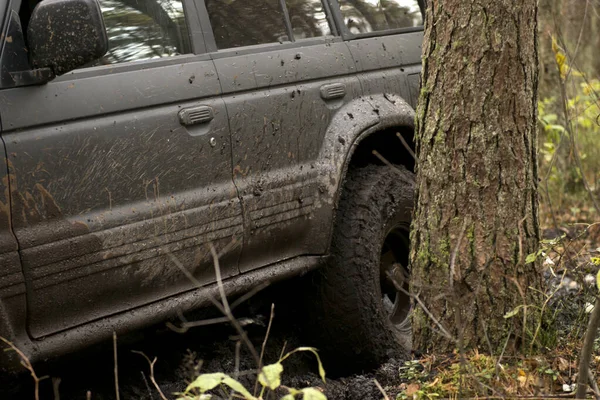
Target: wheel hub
394, 275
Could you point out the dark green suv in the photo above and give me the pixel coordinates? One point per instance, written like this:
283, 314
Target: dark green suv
137, 133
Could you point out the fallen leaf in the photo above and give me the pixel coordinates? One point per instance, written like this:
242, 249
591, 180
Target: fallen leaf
412, 388
563, 364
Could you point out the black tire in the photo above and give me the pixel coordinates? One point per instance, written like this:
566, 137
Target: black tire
354, 324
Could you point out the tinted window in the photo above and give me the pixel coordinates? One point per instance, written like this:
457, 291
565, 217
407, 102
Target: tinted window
144, 29
238, 23
308, 18
362, 16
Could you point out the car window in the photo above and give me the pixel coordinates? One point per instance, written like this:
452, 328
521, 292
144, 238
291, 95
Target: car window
237, 23
364, 16
308, 18
144, 29
243, 23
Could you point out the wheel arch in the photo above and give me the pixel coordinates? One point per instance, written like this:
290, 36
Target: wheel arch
366, 124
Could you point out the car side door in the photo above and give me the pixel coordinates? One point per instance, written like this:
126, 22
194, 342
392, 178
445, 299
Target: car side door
120, 173
283, 80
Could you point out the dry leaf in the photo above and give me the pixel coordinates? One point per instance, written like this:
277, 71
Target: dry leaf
563, 364
412, 388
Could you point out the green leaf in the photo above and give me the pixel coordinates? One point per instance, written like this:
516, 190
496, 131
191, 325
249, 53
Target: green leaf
288, 397
512, 313
206, 382
238, 387
270, 376
530, 258
312, 350
598, 280
312, 394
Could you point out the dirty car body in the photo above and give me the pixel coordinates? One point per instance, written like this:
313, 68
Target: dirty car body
205, 122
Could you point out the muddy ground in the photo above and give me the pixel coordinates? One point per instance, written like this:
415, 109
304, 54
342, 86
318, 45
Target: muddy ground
211, 348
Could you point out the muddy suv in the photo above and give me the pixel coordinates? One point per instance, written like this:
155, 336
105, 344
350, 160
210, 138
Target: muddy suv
137, 133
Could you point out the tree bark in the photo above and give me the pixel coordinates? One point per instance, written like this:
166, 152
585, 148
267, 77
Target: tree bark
476, 211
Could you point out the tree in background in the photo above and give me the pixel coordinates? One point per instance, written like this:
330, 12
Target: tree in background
476, 215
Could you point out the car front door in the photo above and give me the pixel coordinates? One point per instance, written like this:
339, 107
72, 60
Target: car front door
120, 173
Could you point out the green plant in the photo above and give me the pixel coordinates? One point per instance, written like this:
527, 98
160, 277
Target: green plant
269, 379
412, 370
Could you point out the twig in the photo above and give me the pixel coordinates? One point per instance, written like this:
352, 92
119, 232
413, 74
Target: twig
385, 161
283, 349
385, 396
236, 366
594, 385
116, 369
250, 294
264, 345
587, 350
187, 325
226, 307
543, 309
487, 339
406, 146
55, 385
27, 365
147, 385
443, 330
503, 350
152, 379
221, 307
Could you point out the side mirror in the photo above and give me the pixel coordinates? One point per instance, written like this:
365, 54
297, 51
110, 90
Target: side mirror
66, 34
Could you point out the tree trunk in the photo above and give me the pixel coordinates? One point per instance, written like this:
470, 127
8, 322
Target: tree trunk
476, 215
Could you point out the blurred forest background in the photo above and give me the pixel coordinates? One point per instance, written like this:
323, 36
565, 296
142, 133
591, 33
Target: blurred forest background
569, 37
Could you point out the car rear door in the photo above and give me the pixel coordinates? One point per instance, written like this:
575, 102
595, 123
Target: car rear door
385, 39
118, 168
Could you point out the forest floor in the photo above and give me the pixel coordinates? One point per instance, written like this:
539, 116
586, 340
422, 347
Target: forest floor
569, 269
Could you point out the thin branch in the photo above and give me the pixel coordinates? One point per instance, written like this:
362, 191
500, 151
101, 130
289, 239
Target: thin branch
594, 385
151, 363
443, 330
385, 396
247, 296
503, 350
55, 388
385, 161
587, 351
264, 345
187, 325
224, 308
147, 385
116, 366
406, 146
27, 365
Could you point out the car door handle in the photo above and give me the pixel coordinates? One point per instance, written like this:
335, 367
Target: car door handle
196, 115
333, 91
